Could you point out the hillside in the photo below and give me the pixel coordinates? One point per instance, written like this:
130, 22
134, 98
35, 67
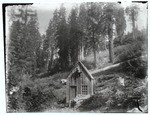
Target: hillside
118, 88
114, 90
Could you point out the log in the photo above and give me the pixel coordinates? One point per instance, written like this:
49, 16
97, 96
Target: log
144, 57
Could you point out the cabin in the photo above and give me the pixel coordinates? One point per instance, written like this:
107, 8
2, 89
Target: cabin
79, 82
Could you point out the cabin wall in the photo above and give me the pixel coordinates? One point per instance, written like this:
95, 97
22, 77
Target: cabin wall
67, 91
78, 82
84, 80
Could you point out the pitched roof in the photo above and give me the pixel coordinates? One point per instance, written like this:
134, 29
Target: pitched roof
83, 68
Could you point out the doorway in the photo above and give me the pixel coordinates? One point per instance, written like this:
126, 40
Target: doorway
73, 91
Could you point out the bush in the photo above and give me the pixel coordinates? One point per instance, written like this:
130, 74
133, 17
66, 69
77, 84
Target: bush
12, 103
73, 103
128, 52
93, 103
89, 65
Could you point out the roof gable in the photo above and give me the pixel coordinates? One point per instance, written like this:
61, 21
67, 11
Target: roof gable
84, 69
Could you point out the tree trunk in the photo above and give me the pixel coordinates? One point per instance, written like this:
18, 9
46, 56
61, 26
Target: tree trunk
51, 58
35, 65
47, 62
94, 51
105, 44
133, 25
95, 60
110, 34
111, 53
82, 50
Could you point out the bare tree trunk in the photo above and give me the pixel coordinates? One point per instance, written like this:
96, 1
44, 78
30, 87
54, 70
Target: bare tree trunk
34, 65
111, 53
105, 44
51, 57
133, 25
82, 50
94, 51
110, 34
95, 60
47, 62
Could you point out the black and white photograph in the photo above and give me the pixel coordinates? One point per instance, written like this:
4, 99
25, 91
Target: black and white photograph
76, 57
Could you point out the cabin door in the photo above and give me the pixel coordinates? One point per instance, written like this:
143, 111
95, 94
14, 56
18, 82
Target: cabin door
73, 91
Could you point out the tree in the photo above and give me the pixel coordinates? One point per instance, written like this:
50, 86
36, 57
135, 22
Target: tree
33, 42
120, 22
15, 53
114, 16
94, 22
21, 48
132, 12
50, 41
110, 33
74, 36
62, 39
17, 58
82, 28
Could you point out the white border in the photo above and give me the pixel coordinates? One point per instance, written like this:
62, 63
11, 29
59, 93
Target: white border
2, 72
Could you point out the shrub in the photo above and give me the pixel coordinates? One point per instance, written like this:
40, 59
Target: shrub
128, 52
88, 64
73, 103
93, 103
12, 103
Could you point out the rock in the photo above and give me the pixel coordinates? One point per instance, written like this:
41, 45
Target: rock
134, 110
121, 81
63, 81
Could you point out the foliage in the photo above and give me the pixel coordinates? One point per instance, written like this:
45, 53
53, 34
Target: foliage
132, 11
74, 36
129, 51
113, 97
62, 39
93, 103
23, 44
50, 44
89, 65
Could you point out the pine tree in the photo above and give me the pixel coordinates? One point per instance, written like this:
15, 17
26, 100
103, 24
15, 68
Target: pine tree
113, 16
23, 42
62, 39
94, 22
74, 36
50, 42
82, 20
132, 12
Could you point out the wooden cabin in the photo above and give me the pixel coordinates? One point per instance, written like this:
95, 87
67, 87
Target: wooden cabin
79, 82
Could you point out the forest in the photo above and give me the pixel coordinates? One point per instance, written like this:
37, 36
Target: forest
92, 32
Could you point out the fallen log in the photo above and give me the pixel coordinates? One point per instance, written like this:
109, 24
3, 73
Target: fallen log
118, 64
